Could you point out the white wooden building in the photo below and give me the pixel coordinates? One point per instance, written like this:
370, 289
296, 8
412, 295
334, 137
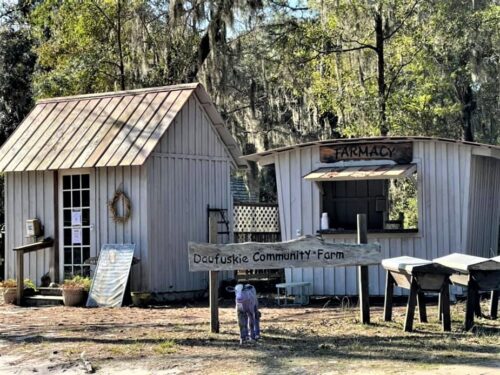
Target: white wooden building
458, 199
167, 148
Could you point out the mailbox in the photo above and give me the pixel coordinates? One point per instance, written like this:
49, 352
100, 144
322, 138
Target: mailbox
33, 228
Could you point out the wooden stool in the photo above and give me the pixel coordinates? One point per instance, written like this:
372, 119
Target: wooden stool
419, 276
476, 274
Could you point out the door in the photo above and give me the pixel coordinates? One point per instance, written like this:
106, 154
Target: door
75, 221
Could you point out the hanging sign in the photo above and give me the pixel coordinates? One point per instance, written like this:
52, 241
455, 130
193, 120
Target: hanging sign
306, 251
401, 153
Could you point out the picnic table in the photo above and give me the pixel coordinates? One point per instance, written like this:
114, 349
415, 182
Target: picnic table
419, 276
476, 274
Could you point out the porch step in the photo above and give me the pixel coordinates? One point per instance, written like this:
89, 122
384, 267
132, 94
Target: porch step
49, 291
41, 300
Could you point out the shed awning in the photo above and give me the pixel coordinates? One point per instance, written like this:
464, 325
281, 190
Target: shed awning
371, 172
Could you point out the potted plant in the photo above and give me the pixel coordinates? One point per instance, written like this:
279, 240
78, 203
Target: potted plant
8, 291
74, 290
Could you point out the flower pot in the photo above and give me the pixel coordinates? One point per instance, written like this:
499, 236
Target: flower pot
140, 299
73, 296
9, 295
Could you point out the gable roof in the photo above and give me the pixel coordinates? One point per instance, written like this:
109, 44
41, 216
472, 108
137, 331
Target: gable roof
103, 130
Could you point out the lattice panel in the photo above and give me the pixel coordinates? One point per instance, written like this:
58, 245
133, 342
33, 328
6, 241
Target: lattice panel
256, 218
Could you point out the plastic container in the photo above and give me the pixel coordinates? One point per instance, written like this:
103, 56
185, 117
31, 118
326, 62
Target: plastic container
325, 224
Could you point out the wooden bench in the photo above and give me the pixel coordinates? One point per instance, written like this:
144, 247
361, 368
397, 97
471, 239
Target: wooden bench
476, 274
419, 276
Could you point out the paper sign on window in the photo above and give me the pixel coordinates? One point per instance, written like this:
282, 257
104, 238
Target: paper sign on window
76, 217
76, 235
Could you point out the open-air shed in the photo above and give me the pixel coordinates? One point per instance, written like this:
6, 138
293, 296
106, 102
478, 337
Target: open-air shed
457, 195
166, 148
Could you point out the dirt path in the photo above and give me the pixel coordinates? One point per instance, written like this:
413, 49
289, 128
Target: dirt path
174, 340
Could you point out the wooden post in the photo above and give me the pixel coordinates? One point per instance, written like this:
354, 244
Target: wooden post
477, 305
471, 304
364, 303
494, 304
444, 298
389, 292
440, 306
20, 277
422, 312
213, 276
54, 256
412, 301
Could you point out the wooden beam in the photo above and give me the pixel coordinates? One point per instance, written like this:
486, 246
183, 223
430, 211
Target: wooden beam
494, 304
410, 309
213, 276
422, 311
389, 292
364, 302
472, 294
20, 277
444, 298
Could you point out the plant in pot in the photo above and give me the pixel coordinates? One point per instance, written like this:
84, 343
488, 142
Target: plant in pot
8, 291
74, 290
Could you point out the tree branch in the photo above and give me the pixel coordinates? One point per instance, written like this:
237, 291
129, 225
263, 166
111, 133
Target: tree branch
408, 14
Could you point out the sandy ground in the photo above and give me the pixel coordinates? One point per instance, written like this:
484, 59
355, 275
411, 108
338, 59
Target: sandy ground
175, 340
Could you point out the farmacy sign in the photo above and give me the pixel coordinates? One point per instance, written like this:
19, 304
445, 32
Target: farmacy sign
306, 251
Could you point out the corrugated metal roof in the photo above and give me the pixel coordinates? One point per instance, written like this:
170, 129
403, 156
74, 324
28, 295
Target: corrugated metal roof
372, 172
103, 130
486, 147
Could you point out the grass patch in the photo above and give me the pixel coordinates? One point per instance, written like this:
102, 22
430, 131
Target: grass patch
166, 347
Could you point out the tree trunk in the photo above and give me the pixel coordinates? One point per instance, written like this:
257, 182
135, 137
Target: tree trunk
468, 107
379, 34
120, 47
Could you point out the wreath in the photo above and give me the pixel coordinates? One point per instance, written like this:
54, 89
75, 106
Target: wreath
113, 203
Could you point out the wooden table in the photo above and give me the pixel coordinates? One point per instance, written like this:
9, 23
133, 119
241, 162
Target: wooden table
476, 274
419, 276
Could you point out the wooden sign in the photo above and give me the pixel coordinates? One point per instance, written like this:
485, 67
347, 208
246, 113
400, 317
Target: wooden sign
111, 275
401, 153
306, 251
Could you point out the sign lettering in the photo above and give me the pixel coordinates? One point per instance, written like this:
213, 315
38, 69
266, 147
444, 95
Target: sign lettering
402, 153
306, 251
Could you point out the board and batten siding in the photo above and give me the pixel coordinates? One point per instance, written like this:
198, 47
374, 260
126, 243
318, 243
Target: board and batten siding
28, 195
484, 211
189, 169
443, 170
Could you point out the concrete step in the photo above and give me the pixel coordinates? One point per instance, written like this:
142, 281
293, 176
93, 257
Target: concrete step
49, 291
39, 300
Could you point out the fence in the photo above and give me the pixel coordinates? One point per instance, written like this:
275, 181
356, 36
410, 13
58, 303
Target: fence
257, 222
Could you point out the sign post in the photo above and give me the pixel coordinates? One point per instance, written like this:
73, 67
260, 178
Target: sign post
307, 251
213, 286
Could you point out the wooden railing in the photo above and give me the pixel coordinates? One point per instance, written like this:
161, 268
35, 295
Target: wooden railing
20, 251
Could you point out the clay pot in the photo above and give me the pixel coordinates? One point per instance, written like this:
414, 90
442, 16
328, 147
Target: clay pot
73, 296
9, 295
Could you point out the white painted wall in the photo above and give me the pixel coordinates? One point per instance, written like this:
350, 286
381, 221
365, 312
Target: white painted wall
444, 170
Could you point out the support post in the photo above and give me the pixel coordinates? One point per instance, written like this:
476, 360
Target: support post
213, 276
440, 306
389, 292
444, 297
471, 304
477, 305
410, 309
364, 303
494, 304
422, 311
20, 277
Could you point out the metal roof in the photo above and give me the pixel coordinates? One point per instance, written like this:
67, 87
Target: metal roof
494, 149
372, 172
103, 130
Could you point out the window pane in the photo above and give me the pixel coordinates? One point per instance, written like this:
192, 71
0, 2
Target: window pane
67, 236
76, 181
86, 271
67, 255
86, 253
77, 270
85, 216
85, 236
66, 182
67, 199
68, 274
85, 198
67, 218
85, 181
77, 255
76, 199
